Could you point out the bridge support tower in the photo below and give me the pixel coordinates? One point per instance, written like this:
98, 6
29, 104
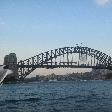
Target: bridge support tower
11, 61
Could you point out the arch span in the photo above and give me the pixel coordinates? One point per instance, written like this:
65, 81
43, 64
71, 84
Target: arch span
50, 59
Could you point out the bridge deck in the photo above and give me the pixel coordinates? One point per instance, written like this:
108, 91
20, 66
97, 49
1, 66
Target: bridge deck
61, 66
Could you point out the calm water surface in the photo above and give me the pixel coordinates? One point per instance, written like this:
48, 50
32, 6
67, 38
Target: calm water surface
77, 96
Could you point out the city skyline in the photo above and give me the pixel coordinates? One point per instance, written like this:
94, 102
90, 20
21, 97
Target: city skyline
29, 27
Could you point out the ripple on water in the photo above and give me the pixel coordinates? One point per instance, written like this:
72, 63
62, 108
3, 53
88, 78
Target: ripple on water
89, 96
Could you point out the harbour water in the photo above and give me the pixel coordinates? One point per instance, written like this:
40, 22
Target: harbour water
65, 96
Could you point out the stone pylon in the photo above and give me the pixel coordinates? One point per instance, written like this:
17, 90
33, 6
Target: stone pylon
11, 61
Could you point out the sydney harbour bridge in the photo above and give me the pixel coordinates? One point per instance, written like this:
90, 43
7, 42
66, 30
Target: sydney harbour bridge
66, 57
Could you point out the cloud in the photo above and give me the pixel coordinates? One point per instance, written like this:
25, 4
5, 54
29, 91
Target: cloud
103, 2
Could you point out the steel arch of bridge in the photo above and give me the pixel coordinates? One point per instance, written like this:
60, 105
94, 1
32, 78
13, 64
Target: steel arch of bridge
45, 60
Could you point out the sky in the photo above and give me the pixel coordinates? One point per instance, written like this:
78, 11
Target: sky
29, 27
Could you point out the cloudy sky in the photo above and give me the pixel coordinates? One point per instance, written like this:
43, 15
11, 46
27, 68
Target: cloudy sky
28, 27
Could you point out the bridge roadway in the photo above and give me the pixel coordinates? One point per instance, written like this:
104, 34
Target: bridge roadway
63, 66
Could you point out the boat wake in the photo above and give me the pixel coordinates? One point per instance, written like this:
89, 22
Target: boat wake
3, 73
